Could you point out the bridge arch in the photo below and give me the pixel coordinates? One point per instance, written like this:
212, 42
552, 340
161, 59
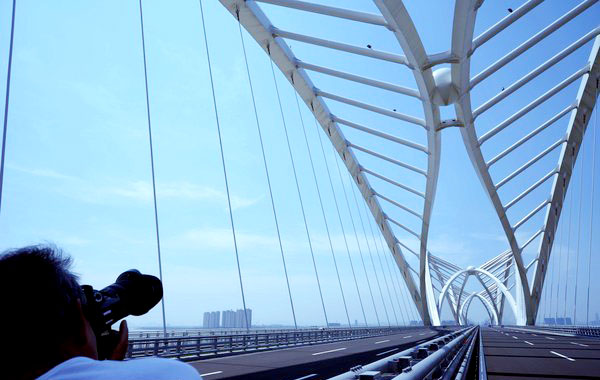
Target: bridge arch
486, 303
479, 271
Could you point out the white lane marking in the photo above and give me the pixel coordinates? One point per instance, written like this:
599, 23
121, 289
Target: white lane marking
307, 376
533, 334
422, 334
382, 341
579, 344
529, 343
328, 351
562, 356
408, 336
549, 337
515, 337
386, 352
211, 373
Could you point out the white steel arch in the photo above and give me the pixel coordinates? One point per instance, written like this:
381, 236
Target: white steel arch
437, 87
486, 303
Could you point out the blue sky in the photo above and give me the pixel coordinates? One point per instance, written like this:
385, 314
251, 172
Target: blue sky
78, 169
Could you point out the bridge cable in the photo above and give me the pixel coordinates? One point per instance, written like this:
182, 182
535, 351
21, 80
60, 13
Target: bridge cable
579, 228
7, 98
362, 258
403, 296
369, 222
149, 119
338, 211
214, 98
301, 204
592, 208
312, 254
371, 257
262, 147
344, 232
569, 239
378, 254
390, 273
562, 227
397, 286
403, 309
287, 139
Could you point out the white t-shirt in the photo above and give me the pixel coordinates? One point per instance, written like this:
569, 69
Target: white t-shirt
82, 368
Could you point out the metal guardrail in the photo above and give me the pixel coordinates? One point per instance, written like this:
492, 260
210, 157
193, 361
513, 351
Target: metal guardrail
419, 362
194, 347
591, 331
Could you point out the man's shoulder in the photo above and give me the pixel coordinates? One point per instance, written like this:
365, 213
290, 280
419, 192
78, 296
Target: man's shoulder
80, 368
167, 367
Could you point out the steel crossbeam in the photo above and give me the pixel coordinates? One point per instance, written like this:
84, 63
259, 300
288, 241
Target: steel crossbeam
493, 275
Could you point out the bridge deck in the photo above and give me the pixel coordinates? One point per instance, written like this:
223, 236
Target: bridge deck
519, 354
314, 362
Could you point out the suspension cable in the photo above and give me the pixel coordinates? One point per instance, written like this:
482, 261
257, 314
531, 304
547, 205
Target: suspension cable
152, 164
262, 147
214, 98
569, 240
579, 229
561, 226
592, 208
352, 190
342, 225
376, 249
343, 233
7, 98
395, 288
312, 254
399, 284
412, 310
372, 261
312, 165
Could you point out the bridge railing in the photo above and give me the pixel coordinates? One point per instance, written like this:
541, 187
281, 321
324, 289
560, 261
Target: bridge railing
193, 347
591, 331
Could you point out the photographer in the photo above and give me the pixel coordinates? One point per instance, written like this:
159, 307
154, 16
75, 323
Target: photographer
45, 333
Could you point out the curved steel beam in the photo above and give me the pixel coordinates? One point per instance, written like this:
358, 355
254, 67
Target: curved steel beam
474, 271
461, 47
260, 28
401, 24
586, 102
488, 307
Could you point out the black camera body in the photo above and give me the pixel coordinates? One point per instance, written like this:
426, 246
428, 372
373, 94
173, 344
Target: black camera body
132, 293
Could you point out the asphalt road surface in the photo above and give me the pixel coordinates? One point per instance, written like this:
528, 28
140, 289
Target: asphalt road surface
529, 353
319, 361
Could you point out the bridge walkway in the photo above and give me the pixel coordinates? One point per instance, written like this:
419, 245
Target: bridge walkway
314, 362
529, 353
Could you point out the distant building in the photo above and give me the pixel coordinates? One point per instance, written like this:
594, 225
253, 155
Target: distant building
211, 320
334, 324
228, 319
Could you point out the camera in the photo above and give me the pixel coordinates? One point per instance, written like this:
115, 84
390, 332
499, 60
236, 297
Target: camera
133, 293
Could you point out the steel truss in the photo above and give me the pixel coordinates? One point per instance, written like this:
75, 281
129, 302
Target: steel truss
435, 88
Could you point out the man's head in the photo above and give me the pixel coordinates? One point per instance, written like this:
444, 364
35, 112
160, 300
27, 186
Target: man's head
42, 319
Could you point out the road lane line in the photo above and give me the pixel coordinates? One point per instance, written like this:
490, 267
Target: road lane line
549, 337
382, 341
562, 356
515, 337
408, 336
533, 334
328, 351
422, 334
529, 343
307, 376
579, 344
211, 373
386, 352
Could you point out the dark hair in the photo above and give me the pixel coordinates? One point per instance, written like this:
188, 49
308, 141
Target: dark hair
38, 294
